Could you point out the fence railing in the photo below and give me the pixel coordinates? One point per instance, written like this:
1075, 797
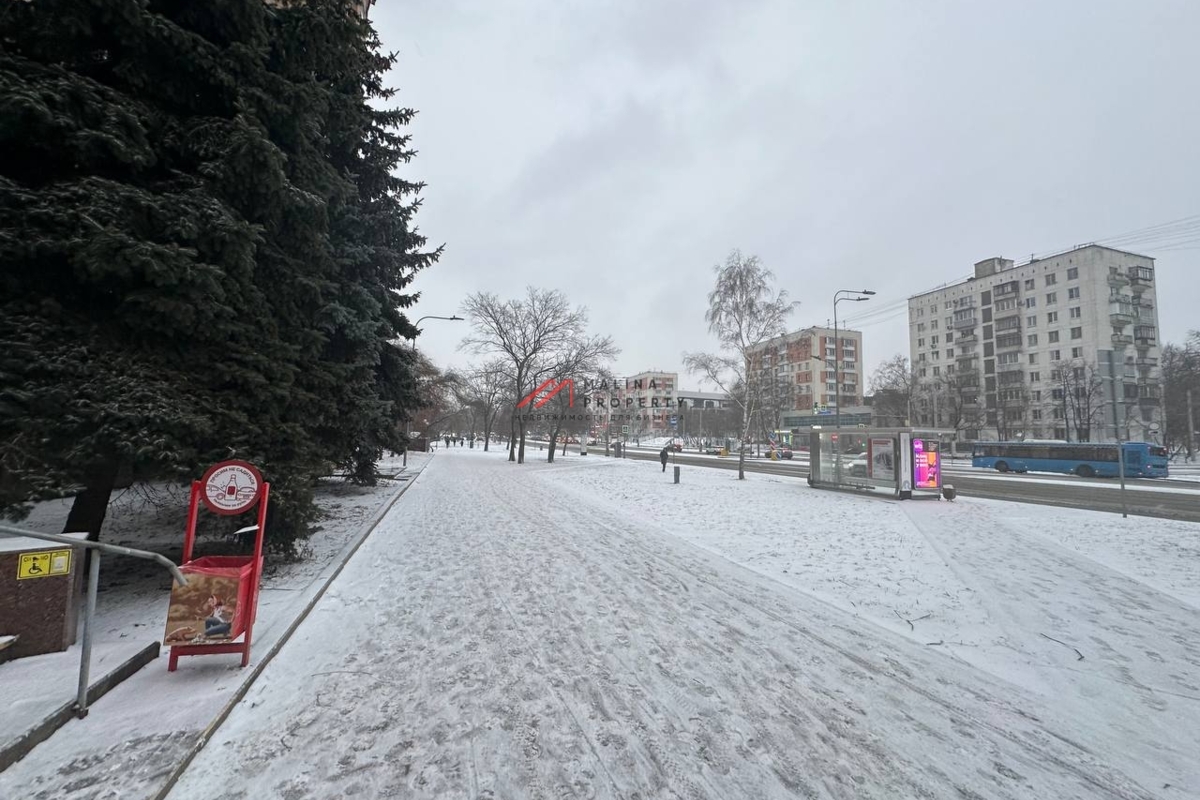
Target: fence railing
85, 658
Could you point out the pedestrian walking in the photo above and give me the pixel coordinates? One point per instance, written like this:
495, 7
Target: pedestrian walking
662, 456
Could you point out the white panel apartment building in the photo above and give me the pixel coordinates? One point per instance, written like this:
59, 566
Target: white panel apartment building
1036, 334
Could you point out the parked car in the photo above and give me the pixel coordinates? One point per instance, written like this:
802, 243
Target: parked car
782, 451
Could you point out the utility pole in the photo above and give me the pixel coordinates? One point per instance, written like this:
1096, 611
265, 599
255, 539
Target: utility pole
850, 294
1112, 374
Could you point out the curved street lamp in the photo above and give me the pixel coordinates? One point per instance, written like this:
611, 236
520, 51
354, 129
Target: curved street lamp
857, 296
408, 423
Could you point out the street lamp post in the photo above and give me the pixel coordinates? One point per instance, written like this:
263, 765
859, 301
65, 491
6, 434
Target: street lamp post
413, 339
857, 296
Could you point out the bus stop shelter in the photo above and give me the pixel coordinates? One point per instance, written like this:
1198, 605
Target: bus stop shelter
897, 462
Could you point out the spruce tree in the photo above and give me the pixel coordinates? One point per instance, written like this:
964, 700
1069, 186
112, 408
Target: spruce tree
194, 264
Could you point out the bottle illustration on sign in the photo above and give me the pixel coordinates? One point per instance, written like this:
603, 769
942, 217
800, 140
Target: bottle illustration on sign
232, 489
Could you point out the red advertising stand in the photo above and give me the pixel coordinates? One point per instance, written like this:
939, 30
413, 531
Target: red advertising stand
220, 601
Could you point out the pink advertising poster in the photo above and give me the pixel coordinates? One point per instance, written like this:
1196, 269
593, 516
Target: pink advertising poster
926, 468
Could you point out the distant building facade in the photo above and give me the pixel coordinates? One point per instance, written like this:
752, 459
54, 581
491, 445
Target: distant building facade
1045, 349
809, 363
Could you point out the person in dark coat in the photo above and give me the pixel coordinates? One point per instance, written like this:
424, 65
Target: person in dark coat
662, 456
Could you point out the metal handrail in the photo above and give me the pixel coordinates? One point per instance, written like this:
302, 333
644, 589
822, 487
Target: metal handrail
85, 659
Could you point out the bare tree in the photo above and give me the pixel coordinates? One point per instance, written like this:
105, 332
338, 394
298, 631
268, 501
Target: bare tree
530, 334
485, 389
744, 311
893, 386
585, 355
1079, 389
960, 402
1181, 393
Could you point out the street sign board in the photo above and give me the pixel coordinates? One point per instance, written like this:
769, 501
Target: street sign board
44, 564
625, 429
230, 487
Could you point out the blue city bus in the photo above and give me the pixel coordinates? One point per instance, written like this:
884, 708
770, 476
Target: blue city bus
1142, 460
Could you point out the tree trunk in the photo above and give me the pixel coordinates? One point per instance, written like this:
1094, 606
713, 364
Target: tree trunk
521, 444
512, 438
553, 442
91, 505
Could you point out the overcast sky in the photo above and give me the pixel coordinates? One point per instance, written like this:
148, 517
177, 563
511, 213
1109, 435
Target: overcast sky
618, 150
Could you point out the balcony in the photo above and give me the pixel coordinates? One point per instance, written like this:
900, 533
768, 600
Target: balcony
1145, 335
1008, 342
1121, 313
1146, 363
1122, 339
965, 322
1116, 278
1009, 289
967, 337
1149, 394
1140, 277
1010, 377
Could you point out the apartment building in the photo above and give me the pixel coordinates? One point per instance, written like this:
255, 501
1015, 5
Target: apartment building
809, 365
1046, 349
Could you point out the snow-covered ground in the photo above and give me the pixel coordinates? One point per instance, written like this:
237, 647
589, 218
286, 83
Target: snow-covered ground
137, 734
589, 629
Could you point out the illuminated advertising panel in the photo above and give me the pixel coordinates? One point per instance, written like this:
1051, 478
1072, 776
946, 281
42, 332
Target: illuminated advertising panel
927, 472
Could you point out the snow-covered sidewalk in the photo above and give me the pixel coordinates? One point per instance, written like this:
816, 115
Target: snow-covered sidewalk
588, 629
137, 735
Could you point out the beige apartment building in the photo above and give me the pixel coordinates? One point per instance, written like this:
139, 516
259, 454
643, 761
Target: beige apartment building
1064, 347
809, 364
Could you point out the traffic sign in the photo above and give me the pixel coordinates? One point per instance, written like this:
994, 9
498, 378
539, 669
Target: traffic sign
625, 429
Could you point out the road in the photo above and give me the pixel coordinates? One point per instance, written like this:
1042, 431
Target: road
1166, 499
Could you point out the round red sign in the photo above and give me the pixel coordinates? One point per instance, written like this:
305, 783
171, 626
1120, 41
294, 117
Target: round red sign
230, 487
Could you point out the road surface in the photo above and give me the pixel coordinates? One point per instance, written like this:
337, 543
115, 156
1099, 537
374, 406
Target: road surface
1166, 499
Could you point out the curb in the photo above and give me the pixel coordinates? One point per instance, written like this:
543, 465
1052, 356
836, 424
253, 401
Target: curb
258, 668
22, 746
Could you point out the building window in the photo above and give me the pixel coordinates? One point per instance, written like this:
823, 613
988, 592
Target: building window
1056, 355
1031, 340
933, 325
920, 357
1073, 273
1076, 312
1031, 321
950, 353
1035, 377
1031, 302
933, 341
949, 338
937, 370
1036, 396
1076, 352
921, 342
1051, 279
1033, 358
1076, 333
922, 372
1052, 337
1007, 358
1073, 293
1029, 283
1052, 317
1036, 414
1051, 298
920, 327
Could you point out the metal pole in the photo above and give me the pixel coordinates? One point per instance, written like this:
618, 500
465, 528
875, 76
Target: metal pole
85, 656
1191, 431
1112, 373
